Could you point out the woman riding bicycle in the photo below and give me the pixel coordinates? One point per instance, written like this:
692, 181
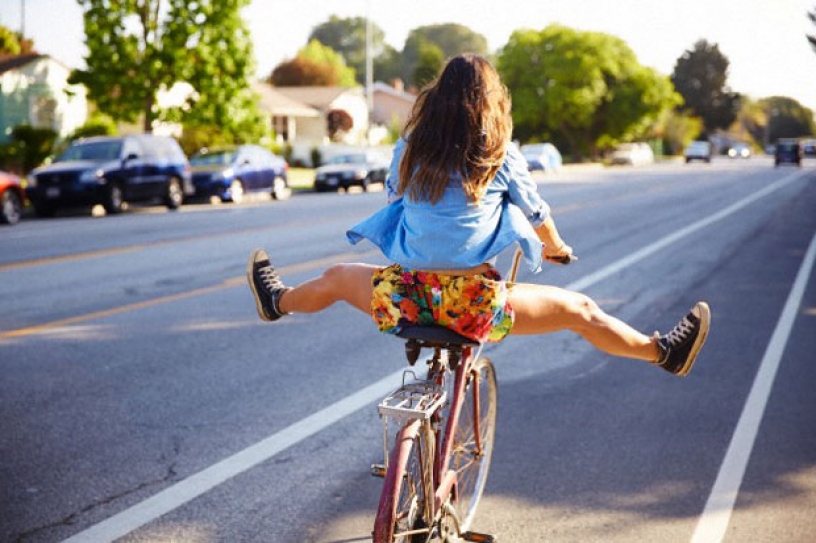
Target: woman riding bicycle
459, 194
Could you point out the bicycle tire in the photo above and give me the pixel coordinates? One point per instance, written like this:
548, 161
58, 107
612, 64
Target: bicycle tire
472, 466
402, 503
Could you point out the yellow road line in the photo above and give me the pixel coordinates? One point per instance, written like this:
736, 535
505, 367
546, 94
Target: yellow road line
226, 284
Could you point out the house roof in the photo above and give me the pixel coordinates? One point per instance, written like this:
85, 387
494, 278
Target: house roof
277, 103
317, 97
12, 62
384, 88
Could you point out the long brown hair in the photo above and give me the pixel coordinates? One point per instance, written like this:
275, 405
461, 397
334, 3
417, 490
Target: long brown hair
460, 124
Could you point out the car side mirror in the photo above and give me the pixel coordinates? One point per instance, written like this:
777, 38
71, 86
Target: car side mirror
131, 156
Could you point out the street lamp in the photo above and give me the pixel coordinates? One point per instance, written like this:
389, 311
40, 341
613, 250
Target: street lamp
369, 73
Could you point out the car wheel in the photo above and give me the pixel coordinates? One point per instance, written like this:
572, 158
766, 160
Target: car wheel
280, 189
236, 191
114, 199
175, 194
12, 207
365, 183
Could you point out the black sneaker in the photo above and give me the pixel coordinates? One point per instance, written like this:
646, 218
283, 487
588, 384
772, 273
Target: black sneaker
266, 285
680, 346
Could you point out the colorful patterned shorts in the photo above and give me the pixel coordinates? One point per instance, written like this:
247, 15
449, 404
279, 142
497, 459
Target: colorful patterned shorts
474, 306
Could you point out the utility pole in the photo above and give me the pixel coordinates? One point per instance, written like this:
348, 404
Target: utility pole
369, 73
22, 20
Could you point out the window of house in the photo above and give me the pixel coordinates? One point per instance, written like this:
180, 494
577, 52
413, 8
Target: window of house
43, 112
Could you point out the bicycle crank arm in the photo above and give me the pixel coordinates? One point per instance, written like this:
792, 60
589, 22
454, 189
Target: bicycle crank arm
476, 536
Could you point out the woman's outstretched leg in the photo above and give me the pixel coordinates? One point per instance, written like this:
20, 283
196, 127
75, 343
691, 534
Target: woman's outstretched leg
542, 309
350, 283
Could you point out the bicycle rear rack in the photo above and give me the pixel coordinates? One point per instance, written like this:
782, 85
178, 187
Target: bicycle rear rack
417, 400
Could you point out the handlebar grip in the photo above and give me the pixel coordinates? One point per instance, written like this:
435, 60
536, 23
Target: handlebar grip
566, 259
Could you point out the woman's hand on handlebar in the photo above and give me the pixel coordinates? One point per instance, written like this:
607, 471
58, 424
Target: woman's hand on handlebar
561, 255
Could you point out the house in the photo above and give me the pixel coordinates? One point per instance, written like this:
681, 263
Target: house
391, 104
300, 116
34, 90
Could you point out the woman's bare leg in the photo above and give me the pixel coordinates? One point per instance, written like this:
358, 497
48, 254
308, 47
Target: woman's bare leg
542, 309
349, 283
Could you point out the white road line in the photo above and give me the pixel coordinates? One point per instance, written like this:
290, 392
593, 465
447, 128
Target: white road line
717, 513
199, 483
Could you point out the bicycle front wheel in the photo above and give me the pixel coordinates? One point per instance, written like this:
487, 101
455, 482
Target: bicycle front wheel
473, 439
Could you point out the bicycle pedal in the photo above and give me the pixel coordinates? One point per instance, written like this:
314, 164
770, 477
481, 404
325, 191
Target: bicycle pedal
378, 470
481, 538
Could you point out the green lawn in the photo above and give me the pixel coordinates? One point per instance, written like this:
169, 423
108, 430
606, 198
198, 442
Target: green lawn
301, 178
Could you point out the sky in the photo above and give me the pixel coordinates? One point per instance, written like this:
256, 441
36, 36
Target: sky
764, 40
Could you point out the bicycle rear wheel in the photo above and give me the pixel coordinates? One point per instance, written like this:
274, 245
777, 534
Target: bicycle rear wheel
403, 501
473, 439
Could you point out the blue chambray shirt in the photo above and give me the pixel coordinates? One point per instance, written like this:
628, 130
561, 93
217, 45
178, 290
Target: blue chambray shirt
455, 233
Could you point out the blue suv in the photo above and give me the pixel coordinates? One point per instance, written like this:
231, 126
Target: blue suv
112, 171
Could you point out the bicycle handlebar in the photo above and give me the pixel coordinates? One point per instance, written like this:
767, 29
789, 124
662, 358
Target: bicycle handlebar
560, 260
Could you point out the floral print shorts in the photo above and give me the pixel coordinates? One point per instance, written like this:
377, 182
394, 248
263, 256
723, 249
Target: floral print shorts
475, 306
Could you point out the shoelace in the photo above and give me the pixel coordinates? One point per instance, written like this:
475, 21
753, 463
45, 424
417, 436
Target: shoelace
680, 332
269, 278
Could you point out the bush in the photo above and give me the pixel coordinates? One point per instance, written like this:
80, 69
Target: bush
29, 147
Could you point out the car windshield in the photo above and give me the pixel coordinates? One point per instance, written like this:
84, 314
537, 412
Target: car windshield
213, 158
96, 150
347, 159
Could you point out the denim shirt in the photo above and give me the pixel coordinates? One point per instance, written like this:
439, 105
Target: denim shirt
455, 233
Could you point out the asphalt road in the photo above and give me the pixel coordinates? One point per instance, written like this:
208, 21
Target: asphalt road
143, 400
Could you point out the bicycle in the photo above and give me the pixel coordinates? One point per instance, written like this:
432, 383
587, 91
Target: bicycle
436, 472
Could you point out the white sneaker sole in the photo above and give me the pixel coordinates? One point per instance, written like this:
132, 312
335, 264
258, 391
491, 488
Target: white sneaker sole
705, 324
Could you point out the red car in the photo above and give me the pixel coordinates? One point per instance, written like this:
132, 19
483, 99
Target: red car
12, 198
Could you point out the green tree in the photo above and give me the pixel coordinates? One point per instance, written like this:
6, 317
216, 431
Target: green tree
452, 39
11, 43
428, 64
700, 76
584, 90
315, 64
786, 118
347, 36
137, 48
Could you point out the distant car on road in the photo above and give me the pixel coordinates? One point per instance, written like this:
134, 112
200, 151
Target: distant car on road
359, 168
788, 151
809, 147
739, 150
634, 154
12, 198
111, 171
542, 156
698, 150
231, 172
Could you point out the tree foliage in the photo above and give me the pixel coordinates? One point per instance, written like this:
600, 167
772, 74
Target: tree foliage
787, 118
430, 62
700, 76
315, 64
450, 38
347, 36
11, 43
138, 48
584, 90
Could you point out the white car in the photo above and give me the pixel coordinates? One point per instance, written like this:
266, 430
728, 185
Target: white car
542, 156
634, 154
698, 150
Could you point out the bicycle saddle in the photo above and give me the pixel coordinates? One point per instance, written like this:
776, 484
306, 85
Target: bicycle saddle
439, 336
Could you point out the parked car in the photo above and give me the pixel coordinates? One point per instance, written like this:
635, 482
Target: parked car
112, 171
788, 151
360, 168
699, 150
542, 156
739, 150
635, 154
809, 147
12, 198
230, 173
